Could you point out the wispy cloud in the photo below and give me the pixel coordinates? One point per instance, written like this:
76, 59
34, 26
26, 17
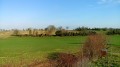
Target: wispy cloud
118, 1
108, 1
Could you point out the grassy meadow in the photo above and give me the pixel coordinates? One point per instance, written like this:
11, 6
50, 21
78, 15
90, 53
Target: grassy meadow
31, 48
27, 49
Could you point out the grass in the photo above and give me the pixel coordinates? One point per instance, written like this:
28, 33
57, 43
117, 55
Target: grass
13, 49
114, 40
31, 48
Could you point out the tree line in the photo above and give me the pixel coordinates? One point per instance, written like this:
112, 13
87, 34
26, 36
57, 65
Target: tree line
51, 30
113, 31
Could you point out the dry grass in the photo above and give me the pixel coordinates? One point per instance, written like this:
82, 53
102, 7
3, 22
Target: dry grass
5, 34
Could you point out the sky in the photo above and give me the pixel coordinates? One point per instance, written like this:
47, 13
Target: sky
67, 13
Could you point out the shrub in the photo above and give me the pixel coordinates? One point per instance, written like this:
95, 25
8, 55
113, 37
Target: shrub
63, 59
94, 45
58, 33
53, 56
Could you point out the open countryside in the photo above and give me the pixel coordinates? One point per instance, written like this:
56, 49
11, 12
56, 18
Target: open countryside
59, 33
27, 48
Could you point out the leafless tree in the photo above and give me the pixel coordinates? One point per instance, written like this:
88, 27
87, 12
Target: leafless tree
50, 29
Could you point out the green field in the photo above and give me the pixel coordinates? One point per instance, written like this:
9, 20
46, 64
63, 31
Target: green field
31, 48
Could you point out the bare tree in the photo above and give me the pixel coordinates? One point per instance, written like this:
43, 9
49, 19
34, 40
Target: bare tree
51, 29
30, 31
16, 32
59, 28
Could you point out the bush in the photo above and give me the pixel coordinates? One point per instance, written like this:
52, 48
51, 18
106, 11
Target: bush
63, 59
58, 33
94, 45
53, 56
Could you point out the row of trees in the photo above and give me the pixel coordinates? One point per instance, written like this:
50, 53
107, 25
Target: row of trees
109, 31
60, 31
56, 31
50, 30
95, 29
113, 32
74, 33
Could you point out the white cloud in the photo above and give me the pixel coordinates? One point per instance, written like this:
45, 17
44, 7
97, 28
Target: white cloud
109, 2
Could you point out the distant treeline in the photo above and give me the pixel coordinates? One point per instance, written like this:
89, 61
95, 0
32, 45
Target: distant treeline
51, 30
74, 33
113, 31
108, 31
93, 29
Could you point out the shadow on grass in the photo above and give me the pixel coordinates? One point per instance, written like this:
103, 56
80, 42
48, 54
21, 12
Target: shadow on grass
75, 43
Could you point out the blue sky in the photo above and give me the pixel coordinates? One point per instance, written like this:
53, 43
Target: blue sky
72, 13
